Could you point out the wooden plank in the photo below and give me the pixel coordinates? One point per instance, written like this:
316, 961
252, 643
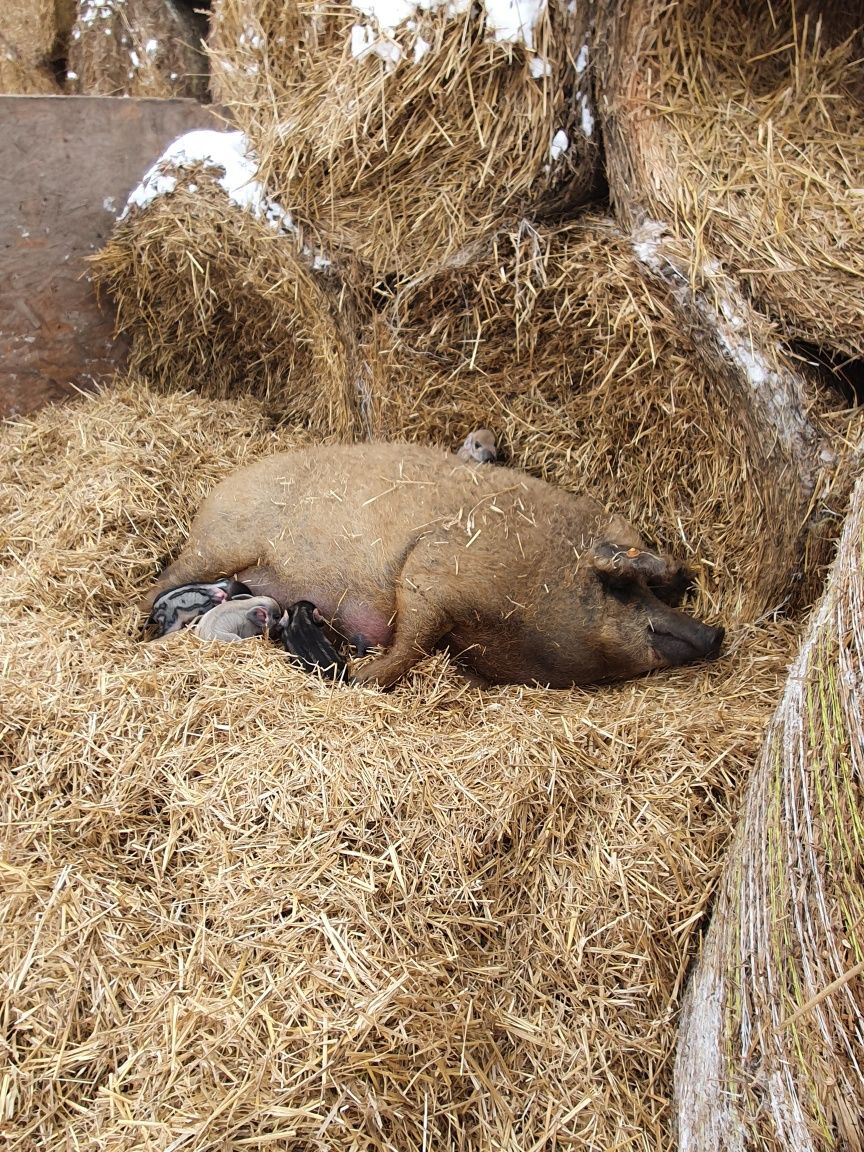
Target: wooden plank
69, 163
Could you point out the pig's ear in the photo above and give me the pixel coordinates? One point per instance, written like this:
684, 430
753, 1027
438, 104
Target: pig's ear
257, 615
618, 565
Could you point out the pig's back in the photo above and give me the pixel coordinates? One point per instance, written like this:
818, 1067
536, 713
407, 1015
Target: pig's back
343, 517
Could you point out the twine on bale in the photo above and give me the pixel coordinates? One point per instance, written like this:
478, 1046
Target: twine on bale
221, 293
771, 1038
400, 137
241, 906
555, 338
739, 128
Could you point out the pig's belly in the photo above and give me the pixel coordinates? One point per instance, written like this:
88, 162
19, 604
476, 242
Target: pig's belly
350, 614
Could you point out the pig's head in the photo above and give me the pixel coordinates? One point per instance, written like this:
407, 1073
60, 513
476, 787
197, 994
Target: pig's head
609, 622
637, 630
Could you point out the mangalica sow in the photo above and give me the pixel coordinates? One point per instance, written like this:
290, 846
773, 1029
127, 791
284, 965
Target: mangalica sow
404, 546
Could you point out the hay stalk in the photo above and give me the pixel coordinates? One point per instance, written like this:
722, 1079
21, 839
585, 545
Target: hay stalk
776, 1005
401, 143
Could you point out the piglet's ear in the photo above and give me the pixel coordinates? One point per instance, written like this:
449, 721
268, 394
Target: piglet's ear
617, 565
258, 615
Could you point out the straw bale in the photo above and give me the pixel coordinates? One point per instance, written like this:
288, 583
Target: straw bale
771, 1042
242, 907
28, 31
220, 293
17, 79
403, 136
582, 365
738, 126
137, 48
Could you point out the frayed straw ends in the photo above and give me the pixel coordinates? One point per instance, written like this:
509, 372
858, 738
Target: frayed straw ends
220, 293
401, 143
556, 340
242, 906
770, 1047
739, 127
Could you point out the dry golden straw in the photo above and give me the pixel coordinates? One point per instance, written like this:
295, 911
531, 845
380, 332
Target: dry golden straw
739, 126
770, 1051
28, 36
229, 303
555, 339
242, 907
137, 48
431, 133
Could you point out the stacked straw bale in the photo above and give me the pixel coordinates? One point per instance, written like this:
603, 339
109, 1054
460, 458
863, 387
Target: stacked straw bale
220, 293
739, 127
402, 131
244, 908
137, 48
28, 36
554, 338
773, 1034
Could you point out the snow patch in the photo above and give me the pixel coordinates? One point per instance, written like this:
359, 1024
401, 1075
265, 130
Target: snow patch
364, 41
514, 21
560, 144
135, 58
110, 203
229, 151
101, 9
151, 47
507, 21
587, 116
582, 60
71, 75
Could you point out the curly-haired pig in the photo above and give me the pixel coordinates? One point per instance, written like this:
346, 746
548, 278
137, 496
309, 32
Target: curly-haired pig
410, 549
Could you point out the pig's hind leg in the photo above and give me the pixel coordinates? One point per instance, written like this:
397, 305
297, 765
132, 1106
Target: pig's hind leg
421, 622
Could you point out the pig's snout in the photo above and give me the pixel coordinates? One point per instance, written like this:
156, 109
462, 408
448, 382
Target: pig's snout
678, 639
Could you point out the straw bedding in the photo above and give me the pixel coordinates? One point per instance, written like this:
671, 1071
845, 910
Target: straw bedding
770, 1051
738, 126
220, 292
28, 31
555, 339
460, 121
242, 907
137, 48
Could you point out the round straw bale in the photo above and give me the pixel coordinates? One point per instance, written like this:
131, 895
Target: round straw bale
738, 126
404, 130
581, 364
137, 48
241, 907
770, 1047
214, 282
28, 31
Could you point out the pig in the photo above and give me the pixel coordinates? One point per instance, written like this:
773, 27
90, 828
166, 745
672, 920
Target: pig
404, 545
177, 607
240, 619
301, 633
479, 446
